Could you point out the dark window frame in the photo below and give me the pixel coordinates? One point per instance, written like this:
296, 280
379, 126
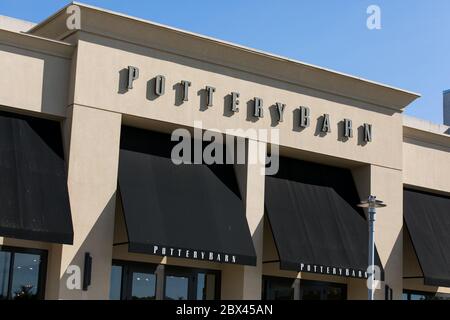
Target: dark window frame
192, 274
121, 295
129, 266
192, 277
323, 284
266, 279
301, 283
42, 276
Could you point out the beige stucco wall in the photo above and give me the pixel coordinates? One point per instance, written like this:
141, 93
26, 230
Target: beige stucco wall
82, 83
245, 282
387, 185
108, 70
92, 183
101, 67
32, 79
426, 165
94, 130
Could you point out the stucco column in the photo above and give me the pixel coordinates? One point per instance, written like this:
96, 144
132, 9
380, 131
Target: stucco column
386, 184
245, 282
92, 180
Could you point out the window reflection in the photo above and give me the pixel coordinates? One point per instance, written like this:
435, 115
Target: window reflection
418, 297
278, 289
116, 283
333, 293
285, 289
135, 280
5, 258
143, 286
206, 286
201, 282
21, 271
25, 276
318, 290
309, 292
176, 288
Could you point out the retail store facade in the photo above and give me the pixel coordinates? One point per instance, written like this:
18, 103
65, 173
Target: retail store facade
86, 117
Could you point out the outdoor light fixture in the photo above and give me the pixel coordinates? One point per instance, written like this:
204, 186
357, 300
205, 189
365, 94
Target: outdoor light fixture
371, 203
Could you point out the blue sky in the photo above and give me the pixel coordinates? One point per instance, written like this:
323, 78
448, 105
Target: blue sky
411, 51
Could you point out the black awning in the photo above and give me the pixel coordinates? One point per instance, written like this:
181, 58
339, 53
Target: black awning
33, 185
314, 219
427, 218
186, 211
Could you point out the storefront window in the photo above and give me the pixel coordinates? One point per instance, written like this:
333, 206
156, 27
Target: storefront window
335, 293
25, 276
143, 286
278, 288
176, 288
206, 286
285, 288
419, 296
140, 281
21, 273
190, 284
132, 281
318, 290
311, 292
116, 283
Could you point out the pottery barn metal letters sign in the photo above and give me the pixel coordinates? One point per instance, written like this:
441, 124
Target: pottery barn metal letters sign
258, 108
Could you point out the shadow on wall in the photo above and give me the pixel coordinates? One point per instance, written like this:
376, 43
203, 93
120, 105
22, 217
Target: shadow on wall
98, 243
232, 281
401, 246
392, 262
412, 271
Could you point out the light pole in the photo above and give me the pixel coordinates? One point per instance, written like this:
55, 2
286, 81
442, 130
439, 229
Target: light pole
371, 203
